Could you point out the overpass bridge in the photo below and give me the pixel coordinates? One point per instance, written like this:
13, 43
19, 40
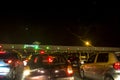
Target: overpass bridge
82, 52
56, 48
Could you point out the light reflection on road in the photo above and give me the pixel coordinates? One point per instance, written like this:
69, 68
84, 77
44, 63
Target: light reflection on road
76, 75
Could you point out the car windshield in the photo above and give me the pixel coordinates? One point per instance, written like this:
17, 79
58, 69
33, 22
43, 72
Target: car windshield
40, 61
46, 61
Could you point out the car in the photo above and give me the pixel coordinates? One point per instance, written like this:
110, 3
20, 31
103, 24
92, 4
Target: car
101, 66
11, 67
74, 61
48, 67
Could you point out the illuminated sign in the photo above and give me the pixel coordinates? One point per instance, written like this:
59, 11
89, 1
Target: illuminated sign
31, 46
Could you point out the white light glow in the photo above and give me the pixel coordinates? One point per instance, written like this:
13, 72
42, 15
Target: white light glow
26, 72
56, 71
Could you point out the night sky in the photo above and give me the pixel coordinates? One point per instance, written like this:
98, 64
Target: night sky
62, 26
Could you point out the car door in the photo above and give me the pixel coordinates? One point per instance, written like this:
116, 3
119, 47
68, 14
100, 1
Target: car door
99, 66
89, 66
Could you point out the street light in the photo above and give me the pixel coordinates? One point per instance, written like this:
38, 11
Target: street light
87, 43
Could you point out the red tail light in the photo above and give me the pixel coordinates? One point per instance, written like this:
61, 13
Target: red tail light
2, 52
25, 60
8, 61
42, 52
50, 59
117, 65
69, 70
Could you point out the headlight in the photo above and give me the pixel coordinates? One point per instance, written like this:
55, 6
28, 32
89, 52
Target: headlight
82, 62
25, 63
26, 72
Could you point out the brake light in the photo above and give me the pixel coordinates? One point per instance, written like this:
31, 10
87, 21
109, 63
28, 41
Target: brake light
117, 65
25, 60
69, 70
2, 52
50, 59
42, 52
35, 60
8, 61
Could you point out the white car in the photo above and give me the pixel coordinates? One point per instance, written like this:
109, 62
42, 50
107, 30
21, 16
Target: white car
11, 67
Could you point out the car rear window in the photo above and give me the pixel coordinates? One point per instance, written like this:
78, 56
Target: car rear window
118, 56
46, 60
8, 55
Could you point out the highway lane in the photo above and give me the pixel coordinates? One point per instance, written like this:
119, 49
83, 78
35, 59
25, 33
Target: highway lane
76, 75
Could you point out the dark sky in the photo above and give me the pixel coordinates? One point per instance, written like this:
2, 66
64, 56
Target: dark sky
62, 26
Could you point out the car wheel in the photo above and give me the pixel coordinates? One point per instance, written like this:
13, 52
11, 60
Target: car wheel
81, 73
13, 74
108, 78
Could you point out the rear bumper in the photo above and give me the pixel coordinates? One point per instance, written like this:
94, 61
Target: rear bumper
66, 78
48, 78
4, 71
116, 76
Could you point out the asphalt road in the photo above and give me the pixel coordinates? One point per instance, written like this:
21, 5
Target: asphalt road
76, 75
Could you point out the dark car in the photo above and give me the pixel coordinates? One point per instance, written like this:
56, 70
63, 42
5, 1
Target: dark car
74, 60
49, 67
11, 67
